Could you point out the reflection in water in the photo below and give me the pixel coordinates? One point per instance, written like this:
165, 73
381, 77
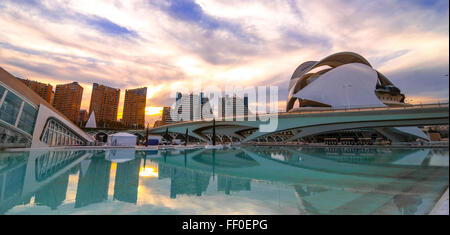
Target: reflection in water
127, 181
93, 185
228, 184
54, 193
184, 181
310, 180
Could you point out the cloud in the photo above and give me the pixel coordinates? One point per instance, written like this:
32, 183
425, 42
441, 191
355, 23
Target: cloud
165, 44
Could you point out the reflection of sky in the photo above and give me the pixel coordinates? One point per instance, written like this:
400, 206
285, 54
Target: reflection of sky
262, 197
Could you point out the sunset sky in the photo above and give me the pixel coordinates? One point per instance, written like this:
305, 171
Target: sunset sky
165, 44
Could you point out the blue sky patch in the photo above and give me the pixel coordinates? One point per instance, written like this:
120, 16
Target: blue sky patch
106, 26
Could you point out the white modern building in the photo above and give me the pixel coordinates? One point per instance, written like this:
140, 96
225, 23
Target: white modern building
27, 120
347, 80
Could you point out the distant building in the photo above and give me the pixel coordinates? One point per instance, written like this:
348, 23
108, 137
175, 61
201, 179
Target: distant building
68, 100
158, 123
233, 107
191, 107
165, 117
134, 107
104, 102
43, 90
27, 120
84, 116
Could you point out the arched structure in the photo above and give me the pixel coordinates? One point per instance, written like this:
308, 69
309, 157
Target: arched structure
28, 120
339, 67
348, 81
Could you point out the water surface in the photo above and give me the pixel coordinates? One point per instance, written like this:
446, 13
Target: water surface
244, 180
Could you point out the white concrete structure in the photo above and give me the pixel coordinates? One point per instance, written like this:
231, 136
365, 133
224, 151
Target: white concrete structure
346, 80
349, 85
27, 120
91, 122
122, 139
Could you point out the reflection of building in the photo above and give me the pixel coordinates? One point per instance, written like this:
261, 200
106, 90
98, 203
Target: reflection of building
43, 90
68, 100
26, 119
127, 181
347, 80
228, 184
104, 102
12, 176
183, 181
54, 193
134, 107
93, 184
41, 174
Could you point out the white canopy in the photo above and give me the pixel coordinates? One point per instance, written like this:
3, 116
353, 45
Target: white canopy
122, 139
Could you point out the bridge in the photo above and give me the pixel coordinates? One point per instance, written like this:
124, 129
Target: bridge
296, 125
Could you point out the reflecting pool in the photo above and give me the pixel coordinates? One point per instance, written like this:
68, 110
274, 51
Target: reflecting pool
242, 180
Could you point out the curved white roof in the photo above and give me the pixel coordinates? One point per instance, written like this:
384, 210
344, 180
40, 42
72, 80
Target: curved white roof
304, 78
122, 134
349, 85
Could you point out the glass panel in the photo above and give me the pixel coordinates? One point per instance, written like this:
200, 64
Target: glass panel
10, 108
59, 135
45, 136
58, 138
2, 90
28, 118
53, 138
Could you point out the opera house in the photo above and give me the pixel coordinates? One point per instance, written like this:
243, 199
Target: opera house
27, 120
347, 80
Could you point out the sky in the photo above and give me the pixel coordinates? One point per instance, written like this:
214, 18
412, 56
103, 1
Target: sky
164, 45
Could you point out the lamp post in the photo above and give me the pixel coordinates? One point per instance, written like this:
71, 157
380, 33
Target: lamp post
214, 132
186, 137
146, 136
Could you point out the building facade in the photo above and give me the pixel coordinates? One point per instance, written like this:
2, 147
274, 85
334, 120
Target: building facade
68, 100
84, 116
27, 120
191, 107
134, 107
43, 90
233, 108
165, 117
104, 103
